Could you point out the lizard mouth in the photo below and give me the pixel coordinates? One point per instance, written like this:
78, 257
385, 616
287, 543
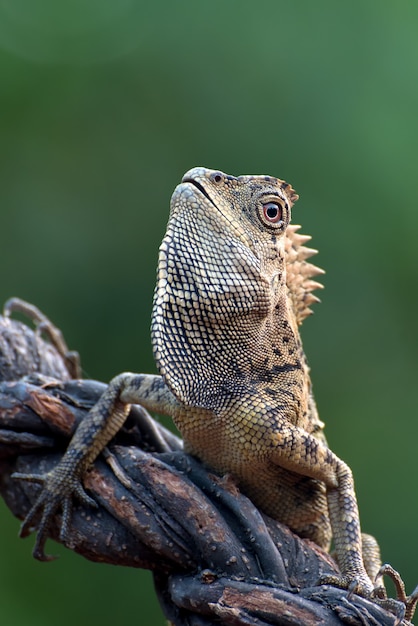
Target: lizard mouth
200, 187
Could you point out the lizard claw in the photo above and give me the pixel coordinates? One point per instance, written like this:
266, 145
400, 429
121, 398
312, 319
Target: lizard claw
58, 489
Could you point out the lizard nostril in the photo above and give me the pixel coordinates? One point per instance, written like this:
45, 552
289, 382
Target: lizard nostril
217, 177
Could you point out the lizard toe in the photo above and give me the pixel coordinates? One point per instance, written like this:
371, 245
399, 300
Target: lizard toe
409, 602
31, 478
38, 551
81, 494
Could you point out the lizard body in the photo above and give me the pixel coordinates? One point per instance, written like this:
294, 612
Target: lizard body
233, 286
226, 340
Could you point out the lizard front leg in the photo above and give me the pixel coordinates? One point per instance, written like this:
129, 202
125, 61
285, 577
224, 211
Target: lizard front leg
63, 482
300, 452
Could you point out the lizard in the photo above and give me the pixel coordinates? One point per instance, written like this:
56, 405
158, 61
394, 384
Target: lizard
233, 286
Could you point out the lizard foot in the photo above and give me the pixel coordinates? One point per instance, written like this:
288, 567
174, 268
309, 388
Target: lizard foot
58, 488
402, 607
360, 585
409, 602
44, 325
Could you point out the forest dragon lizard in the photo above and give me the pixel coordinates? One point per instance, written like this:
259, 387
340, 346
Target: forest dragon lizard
233, 286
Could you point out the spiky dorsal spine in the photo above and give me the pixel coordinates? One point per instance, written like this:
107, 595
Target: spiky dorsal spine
300, 273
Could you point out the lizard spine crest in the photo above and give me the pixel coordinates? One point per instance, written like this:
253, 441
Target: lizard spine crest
300, 273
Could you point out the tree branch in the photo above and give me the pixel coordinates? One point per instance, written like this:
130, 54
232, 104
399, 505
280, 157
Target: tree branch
214, 556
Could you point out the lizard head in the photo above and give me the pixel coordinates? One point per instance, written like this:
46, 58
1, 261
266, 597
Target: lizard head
223, 282
256, 209
212, 210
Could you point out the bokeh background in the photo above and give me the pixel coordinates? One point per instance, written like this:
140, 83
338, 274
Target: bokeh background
104, 105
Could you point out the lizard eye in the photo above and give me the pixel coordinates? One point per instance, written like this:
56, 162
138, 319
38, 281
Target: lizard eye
272, 213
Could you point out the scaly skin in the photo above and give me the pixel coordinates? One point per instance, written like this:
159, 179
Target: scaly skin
233, 286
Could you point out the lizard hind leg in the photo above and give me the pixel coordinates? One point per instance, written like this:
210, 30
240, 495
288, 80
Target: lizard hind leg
372, 559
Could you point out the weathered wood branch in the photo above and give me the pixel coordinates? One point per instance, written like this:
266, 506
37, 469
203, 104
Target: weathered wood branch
215, 558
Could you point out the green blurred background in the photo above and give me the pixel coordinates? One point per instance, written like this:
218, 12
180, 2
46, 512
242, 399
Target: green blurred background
104, 105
